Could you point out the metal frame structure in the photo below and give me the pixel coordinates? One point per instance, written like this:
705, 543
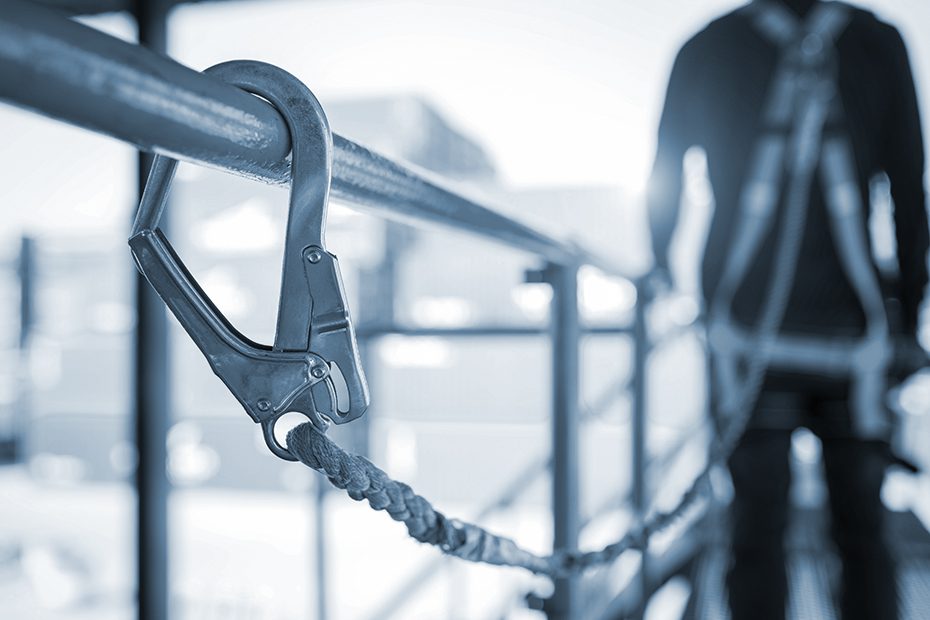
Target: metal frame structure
68, 71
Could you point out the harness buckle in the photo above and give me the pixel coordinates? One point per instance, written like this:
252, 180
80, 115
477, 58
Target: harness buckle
314, 333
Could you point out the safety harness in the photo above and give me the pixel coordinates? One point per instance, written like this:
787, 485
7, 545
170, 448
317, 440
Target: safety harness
802, 136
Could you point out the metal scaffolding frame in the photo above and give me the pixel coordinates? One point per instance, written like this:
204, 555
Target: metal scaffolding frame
63, 69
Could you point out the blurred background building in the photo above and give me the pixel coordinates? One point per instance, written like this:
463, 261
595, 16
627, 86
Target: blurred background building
545, 108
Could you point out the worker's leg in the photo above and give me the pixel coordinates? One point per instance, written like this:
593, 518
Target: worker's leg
756, 583
855, 470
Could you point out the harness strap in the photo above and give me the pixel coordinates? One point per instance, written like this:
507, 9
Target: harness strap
803, 96
870, 364
760, 194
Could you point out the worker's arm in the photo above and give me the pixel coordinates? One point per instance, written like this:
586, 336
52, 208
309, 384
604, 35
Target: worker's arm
903, 162
663, 197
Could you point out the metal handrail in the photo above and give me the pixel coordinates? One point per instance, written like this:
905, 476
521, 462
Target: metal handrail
71, 72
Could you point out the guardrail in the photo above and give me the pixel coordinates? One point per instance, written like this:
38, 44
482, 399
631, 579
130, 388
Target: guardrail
68, 71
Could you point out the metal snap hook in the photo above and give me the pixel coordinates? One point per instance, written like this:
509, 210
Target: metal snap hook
314, 328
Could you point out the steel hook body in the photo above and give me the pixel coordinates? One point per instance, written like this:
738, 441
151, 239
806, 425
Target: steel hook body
314, 331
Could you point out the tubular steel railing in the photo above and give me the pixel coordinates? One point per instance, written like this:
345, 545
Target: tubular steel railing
68, 71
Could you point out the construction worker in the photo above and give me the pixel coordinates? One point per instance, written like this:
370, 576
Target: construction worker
798, 106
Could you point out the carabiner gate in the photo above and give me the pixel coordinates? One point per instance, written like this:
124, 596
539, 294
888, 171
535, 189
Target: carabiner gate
314, 330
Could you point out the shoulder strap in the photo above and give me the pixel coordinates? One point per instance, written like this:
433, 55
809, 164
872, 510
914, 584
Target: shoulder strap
825, 22
774, 21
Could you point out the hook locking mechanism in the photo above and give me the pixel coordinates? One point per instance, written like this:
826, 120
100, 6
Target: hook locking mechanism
314, 335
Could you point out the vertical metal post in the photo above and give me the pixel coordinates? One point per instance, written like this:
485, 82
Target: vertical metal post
25, 271
151, 389
319, 533
377, 287
565, 603
378, 292
638, 430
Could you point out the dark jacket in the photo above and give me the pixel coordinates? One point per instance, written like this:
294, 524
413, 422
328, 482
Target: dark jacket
715, 96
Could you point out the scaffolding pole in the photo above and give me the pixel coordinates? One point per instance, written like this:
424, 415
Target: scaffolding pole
151, 388
638, 439
565, 603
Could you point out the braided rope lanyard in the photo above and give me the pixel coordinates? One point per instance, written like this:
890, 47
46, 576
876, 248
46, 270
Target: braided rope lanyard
363, 480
